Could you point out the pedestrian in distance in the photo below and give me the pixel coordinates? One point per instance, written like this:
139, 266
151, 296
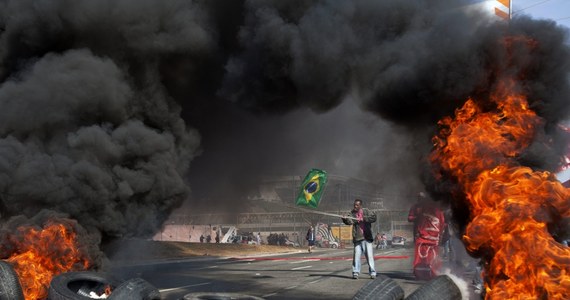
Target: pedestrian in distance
311, 238
378, 240
361, 220
384, 241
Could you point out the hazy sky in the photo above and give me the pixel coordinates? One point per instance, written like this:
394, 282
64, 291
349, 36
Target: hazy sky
556, 10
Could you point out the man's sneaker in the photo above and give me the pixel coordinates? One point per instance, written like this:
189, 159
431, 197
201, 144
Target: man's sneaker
373, 276
354, 276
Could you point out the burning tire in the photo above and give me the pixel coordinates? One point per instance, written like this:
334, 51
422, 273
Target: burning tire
80, 285
381, 288
441, 287
135, 289
10, 288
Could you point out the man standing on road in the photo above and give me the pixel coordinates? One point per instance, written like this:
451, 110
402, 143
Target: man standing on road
361, 220
429, 222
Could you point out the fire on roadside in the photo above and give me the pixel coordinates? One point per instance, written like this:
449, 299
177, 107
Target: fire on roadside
510, 205
42, 253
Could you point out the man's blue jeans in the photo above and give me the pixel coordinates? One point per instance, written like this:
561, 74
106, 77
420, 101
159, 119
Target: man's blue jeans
366, 248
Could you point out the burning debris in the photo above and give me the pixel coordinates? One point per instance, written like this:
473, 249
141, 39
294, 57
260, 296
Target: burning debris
38, 253
512, 208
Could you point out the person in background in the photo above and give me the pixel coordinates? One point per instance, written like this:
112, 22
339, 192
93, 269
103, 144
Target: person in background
384, 243
311, 238
378, 240
258, 238
361, 220
416, 211
201, 238
429, 220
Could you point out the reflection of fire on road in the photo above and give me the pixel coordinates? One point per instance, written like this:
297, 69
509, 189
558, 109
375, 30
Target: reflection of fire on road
512, 207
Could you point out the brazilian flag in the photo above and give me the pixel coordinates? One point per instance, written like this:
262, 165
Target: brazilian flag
312, 188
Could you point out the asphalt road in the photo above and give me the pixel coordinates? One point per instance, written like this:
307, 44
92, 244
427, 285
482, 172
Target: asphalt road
323, 274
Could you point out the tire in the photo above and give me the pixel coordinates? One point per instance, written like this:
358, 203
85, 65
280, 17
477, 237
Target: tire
10, 288
219, 296
381, 288
135, 289
78, 285
441, 288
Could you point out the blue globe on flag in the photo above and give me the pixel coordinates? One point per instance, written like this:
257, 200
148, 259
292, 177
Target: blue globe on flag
311, 187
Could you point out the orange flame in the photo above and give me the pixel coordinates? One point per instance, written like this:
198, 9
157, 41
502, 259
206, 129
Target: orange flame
108, 290
510, 205
44, 253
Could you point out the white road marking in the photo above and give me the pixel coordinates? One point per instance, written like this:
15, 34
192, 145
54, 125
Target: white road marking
210, 267
183, 287
269, 295
299, 268
302, 261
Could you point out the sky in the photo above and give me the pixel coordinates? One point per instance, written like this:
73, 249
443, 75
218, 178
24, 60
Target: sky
556, 10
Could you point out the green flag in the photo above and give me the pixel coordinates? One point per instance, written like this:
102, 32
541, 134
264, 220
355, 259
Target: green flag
312, 188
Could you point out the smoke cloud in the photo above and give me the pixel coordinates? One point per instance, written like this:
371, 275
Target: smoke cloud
116, 112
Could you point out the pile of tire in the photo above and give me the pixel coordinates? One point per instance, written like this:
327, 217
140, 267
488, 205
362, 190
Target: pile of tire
384, 288
10, 288
79, 286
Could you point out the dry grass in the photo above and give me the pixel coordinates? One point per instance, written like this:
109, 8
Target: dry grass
149, 250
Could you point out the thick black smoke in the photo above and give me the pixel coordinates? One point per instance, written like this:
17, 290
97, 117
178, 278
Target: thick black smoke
115, 112
87, 126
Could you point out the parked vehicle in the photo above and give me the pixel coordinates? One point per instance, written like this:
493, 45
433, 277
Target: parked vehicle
325, 239
328, 244
398, 241
291, 243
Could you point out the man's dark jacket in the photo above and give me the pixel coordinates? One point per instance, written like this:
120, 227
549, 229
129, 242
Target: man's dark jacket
368, 218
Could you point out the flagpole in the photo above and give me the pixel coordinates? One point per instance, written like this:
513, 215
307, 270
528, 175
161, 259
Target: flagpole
317, 212
321, 212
